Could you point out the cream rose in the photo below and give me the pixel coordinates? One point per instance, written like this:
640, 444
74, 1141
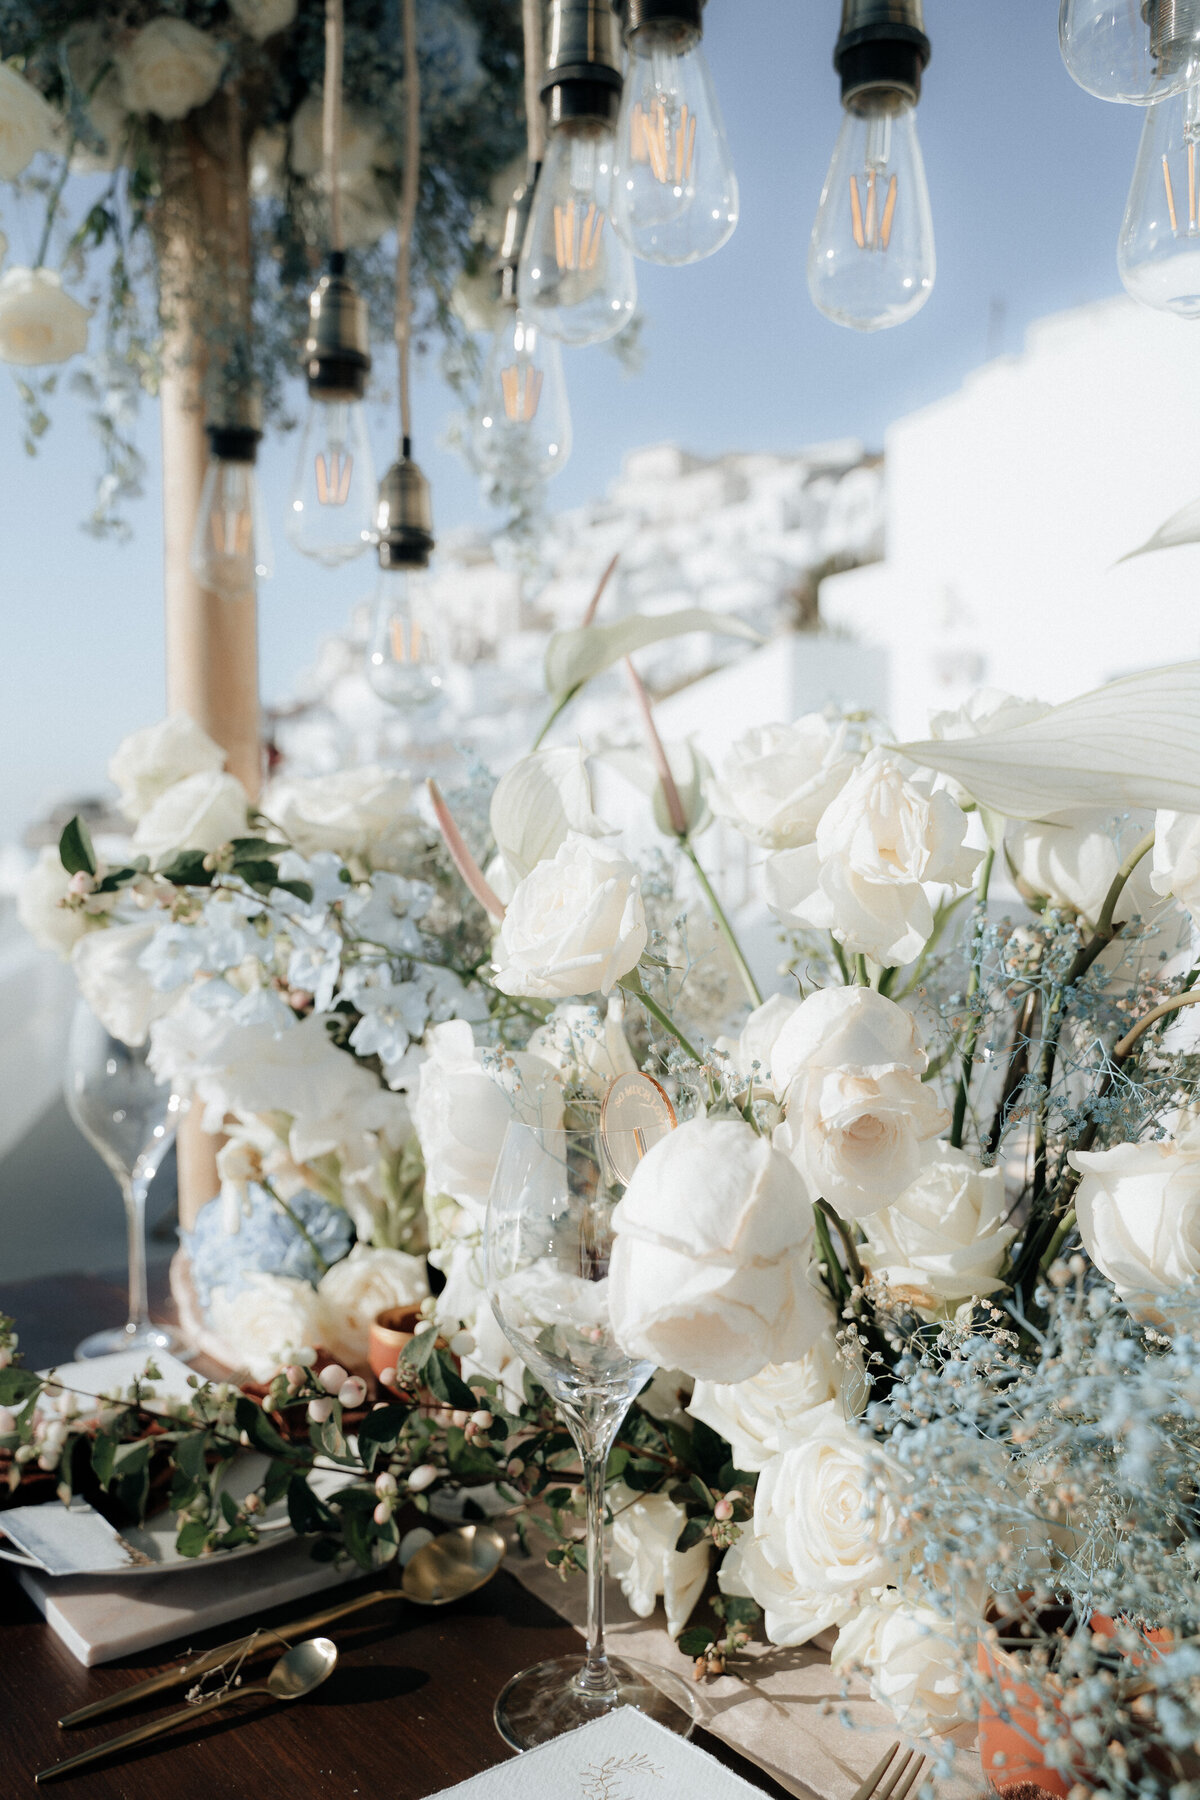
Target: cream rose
878, 844
857, 1110
266, 1322
537, 803
1138, 1208
261, 19
363, 146
463, 1109
945, 1237
776, 1408
1176, 866
39, 323
42, 905
643, 1557
352, 1293
710, 1264
147, 762
201, 812
27, 123
752, 1053
111, 980
575, 924
824, 1535
168, 68
1073, 859
913, 1663
777, 780
364, 813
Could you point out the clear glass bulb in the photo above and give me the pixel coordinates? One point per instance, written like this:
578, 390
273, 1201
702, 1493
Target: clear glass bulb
522, 422
676, 190
332, 510
871, 260
576, 278
404, 660
1158, 251
1136, 51
231, 545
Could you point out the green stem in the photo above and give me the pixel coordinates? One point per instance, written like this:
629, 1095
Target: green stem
972, 1038
835, 1279
860, 970
1066, 1226
52, 205
664, 1018
559, 708
844, 1232
726, 929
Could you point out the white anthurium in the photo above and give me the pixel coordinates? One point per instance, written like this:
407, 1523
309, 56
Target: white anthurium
1135, 742
691, 773
535, 805
1183, 527
573, 657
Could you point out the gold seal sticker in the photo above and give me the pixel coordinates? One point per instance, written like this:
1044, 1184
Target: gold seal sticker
635, 1114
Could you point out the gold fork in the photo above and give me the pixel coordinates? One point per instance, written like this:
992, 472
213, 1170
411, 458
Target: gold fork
894, 1776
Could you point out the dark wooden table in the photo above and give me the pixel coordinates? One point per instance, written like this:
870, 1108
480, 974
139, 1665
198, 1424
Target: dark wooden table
408, 1710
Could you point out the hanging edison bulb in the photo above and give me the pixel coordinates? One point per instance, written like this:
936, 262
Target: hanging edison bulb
871, 259
1136, 51
677, 194
576, 278
521, 426
331, 515
231, 543
1158, 252
404, 656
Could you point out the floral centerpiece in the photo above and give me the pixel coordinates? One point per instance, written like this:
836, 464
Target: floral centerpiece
967, 1099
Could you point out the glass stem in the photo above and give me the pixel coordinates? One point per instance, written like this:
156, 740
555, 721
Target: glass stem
595, 1677
133, 1190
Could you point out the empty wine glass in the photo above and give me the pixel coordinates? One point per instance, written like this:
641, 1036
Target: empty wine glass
549, 1233
129, 1118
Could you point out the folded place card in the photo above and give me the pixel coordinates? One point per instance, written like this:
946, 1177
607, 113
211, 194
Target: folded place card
114, 1373
623, 1757
65, 1540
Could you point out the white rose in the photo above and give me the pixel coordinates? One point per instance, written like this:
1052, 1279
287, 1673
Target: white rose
857, 1109
1138, 1209
168, 68
363, 146
585, 1048
536, 804
775, 1409
643, 1557
1072, 859
944, 1239
1176, 866
824, 1534
710, 1264
752, 1053
575, 924
777, 780
352, 1294
261, 19
464, 1107
365, 813
41, 905
912, 1660
39, 323
265, 1322
147, 762
111, 980
27, 123
201, 812
877, 844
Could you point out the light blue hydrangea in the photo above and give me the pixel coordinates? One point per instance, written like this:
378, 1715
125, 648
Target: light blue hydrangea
268, 1242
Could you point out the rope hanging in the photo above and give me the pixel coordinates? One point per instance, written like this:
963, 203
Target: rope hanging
331, 119
409, 193
535, 116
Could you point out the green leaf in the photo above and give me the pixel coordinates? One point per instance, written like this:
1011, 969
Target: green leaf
192, 1538
16, 1385
691, 1534
116, 878
240, 1534
186, 869
618, 1460
446, 1384
258, 1428
709, 1451
257, 874
275, 1482
75, 848
419, 1350
229, 1507
736, 1610
254, 847
695, 1640
573, 657
306, 1512
104, 1448
301, 889
191, 1455
701, 1491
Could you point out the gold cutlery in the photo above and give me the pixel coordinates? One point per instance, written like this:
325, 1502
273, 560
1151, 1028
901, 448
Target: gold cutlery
894, 1776
304, 1668
448, 1568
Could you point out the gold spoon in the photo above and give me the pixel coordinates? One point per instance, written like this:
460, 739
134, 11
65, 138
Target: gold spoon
303, 1668
448, 1568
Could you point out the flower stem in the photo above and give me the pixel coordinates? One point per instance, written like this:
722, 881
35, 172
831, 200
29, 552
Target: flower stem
321, 1261
722, 920
844, 1232
973, 984
633, 985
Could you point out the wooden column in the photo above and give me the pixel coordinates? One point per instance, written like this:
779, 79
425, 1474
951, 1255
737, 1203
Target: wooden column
212, 643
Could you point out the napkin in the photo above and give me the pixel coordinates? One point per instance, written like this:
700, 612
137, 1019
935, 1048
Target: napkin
625, 1756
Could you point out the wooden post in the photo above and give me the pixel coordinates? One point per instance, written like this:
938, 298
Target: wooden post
212, 643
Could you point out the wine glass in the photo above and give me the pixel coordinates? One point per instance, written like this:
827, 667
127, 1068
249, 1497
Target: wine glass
129, 1117
548, 1238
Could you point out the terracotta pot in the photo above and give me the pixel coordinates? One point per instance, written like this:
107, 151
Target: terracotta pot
390, 1331
1010, 1746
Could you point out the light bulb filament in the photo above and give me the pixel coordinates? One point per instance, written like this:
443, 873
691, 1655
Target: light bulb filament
333, 472
522, 389
872, 231
405, 647
577, 235
650, 141
231, 533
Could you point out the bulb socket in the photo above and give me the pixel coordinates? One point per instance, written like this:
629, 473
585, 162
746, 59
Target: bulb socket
880, 54
516, 219
337, 355
235, 432
677, 23
583, 63
1174, 26
404, 516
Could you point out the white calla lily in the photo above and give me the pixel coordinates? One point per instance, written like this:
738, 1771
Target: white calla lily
573, 657
535, 805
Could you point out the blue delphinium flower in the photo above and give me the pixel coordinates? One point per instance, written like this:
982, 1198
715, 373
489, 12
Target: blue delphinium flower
268, 1242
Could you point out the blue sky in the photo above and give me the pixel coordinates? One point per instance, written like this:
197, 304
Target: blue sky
1027, 177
